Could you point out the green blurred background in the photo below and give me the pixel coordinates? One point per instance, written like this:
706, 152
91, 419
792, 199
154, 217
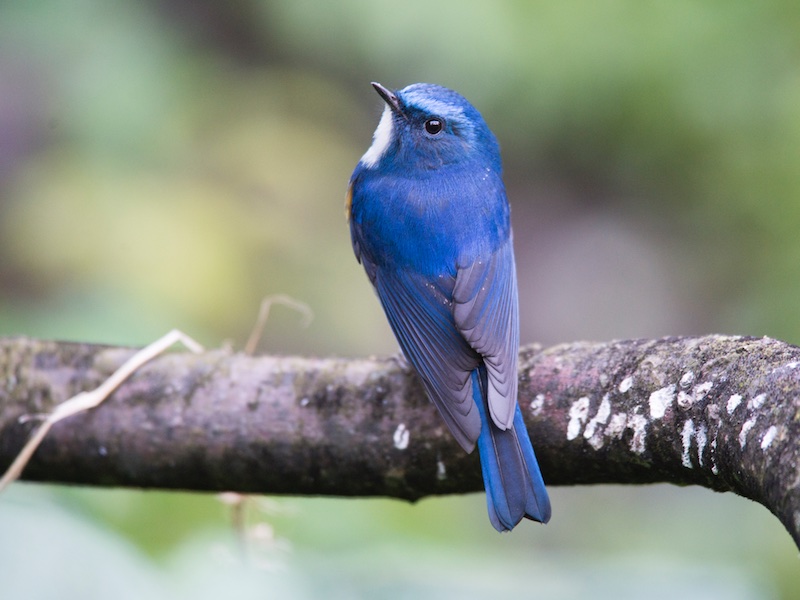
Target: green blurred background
169, 163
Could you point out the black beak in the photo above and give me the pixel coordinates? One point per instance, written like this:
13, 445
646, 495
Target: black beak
388, 96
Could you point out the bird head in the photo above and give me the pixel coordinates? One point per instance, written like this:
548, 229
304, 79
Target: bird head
426, 127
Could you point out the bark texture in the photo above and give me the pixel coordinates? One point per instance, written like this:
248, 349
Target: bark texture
718, 411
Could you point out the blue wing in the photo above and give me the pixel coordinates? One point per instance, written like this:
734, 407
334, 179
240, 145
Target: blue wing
420, 314
446, 329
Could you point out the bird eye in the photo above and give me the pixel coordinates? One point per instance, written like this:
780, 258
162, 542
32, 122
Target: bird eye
434, 126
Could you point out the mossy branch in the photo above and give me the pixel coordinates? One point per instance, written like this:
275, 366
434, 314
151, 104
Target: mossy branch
721, 412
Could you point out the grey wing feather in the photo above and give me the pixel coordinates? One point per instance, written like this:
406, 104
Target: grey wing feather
486, 312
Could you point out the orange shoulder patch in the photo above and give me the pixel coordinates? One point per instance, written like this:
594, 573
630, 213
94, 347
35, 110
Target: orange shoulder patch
348, 202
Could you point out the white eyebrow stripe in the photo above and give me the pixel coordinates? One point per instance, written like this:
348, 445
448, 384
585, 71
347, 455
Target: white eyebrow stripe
380, 139
433, 107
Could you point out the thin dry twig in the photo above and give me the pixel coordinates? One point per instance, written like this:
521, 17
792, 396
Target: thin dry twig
263, 315
88, 400
239, 502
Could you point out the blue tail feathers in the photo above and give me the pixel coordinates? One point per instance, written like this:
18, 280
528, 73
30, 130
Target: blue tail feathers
514, 485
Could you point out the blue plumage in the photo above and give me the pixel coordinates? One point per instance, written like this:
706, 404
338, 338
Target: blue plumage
430, 223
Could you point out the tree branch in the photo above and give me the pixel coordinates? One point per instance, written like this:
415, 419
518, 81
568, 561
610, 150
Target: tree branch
721, 412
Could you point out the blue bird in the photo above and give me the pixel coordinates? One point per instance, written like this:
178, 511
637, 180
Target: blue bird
430, 223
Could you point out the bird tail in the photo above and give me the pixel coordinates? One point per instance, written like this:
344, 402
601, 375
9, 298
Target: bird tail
511, 475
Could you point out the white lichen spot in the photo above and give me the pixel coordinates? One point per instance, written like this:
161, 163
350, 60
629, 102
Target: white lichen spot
638, 424
596, 441
701, 435
748, 425
625, 385
769, 436
304, 402
686, 437
687, 379
701, 391
687, 399
537, 404
578, 413
603, 412
734, 401
593, 432
617, 425
757, 402
603, 379
660, 401
713, 453
441, 471
401, 437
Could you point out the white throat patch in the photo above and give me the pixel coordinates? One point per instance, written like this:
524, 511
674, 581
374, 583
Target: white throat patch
380, 140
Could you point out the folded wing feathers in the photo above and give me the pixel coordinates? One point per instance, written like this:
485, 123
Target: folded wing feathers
424, 327
485, 311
